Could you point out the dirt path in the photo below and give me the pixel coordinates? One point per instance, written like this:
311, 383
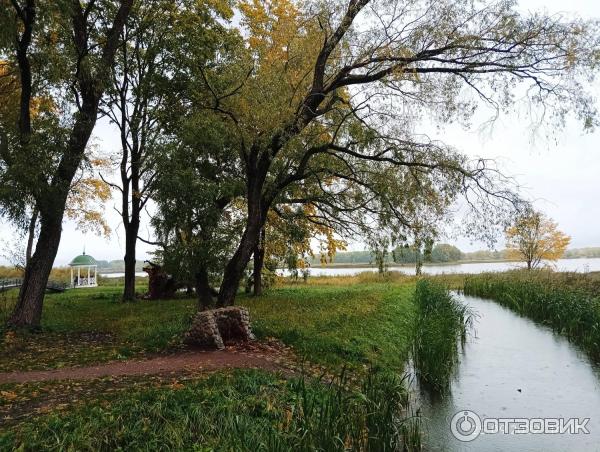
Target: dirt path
192, 360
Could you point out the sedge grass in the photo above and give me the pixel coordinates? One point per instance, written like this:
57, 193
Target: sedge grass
566, 302
440, 328
238, 411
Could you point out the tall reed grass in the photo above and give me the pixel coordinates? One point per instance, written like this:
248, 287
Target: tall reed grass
244, 411
440, 330
566, 302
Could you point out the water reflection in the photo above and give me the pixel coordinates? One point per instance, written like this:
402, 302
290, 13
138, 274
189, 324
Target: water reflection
513, 368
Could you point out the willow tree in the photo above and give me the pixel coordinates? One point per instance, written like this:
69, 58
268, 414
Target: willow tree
320, 68
62, 51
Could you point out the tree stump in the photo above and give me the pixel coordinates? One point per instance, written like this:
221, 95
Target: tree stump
160, 284
219, 327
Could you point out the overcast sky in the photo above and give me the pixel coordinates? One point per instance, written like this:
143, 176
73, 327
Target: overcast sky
562, 175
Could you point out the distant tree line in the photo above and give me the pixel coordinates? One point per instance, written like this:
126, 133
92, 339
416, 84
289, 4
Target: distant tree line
444, 253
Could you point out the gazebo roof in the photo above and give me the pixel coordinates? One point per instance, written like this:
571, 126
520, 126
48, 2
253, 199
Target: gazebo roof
83, 260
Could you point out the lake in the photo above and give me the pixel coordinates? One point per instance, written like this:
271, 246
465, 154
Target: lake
570, 265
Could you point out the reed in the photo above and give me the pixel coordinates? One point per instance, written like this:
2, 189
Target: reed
568, 303
440, 329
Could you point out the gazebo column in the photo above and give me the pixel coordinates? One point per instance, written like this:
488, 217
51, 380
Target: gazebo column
79, 276
88, 278
71, 281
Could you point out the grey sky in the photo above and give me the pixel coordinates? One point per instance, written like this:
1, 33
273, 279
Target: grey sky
561, 174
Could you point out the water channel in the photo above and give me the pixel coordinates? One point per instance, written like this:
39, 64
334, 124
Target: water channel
513, 368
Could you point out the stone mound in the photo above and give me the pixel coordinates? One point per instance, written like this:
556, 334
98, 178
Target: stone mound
217, 327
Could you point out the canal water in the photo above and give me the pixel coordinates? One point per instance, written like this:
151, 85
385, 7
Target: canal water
512, 368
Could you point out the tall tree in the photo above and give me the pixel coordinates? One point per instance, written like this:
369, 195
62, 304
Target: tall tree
42, 156
322, 69
534, 238
133, 104
198, 193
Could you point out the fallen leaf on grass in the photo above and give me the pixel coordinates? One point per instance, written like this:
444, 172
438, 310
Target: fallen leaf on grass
8, 395
176, 385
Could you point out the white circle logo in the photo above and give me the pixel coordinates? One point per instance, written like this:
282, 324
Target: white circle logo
465, 426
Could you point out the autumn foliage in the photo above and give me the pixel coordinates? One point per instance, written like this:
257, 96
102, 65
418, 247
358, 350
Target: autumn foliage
534, 238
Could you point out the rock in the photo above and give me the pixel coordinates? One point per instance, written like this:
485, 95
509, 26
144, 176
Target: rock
217, 327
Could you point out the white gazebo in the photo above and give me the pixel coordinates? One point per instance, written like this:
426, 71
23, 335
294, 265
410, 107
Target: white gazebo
84, 271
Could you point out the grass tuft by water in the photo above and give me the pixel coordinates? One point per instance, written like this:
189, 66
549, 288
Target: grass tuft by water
440, 329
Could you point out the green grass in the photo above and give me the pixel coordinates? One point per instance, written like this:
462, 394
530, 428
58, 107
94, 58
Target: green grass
83, 326
359, 323
441, 326
569, 303
238, 411
364, 323
355, 324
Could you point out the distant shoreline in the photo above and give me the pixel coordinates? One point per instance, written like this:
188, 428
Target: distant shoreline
432, 264
390, 264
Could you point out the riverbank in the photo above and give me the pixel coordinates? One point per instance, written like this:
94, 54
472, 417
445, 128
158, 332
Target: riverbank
512, 374
361, 325
568, 303
295, 399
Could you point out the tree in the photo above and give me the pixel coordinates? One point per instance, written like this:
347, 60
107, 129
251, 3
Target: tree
534, 238
61, 51
328, 96
288, 238
87, 194
84, 205
443, 252
198, 197
134, 104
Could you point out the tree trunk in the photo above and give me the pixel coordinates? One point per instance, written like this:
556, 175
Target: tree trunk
31, 235
131, 233
53, 197
419, 268
259, 260
258, 206
203, 290
28, 311
234, 270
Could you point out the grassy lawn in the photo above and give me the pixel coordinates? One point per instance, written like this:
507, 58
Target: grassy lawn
361, 323
91, 325
356, 322
365, 323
